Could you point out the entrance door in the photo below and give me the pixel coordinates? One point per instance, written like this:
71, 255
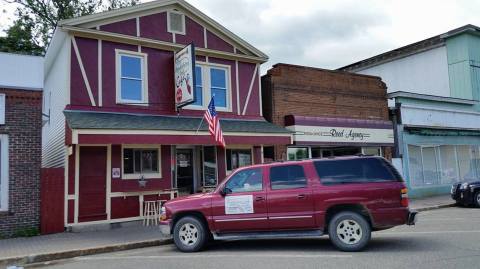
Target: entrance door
185, 171
92, 184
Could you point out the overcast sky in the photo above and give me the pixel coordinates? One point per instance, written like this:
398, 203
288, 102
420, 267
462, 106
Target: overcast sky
333, 33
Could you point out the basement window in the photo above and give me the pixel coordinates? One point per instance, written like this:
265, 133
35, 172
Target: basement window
176, 22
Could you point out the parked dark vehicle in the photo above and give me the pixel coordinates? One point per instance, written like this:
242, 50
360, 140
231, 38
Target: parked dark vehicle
346, 198
466, 193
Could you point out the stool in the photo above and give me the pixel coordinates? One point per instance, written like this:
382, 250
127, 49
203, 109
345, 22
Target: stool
150, 213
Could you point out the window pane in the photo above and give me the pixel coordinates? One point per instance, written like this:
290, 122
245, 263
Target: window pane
220, 97
246, 181
287, 177
466, 163
198, 95
244, 158
218, 78
449, 165
131, 67
361, 170
415, 165
375, 151
128, 161
209, 166
430, 171
137, 157
148, 159
297, 153
131, 89
198, 76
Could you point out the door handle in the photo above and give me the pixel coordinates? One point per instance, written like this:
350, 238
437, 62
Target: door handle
259, 198
301, 196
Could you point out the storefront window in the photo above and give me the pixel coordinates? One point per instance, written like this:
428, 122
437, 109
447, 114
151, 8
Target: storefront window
375, 151
209, 166
297, 153
415, 165
238, 158
430, 166
140, 161
467, 163
449, 172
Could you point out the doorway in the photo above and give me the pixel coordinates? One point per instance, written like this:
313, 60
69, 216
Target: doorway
185, 171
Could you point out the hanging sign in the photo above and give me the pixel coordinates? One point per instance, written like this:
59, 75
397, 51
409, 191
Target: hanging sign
184, 76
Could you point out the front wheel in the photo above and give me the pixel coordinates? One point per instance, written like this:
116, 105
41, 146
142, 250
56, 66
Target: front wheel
189, 234
349, 231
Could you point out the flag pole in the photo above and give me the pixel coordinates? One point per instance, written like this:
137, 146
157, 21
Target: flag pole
200, 125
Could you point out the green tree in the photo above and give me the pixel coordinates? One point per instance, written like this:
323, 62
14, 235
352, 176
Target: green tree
36, 20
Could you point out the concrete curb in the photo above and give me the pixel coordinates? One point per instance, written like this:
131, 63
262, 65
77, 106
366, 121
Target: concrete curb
38, 258
433, 207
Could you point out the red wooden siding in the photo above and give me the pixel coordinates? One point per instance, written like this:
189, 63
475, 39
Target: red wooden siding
193, 33
125, 207
92, 184
257, 155
126, 27
216, 43
51, 200
131, 185
246, 72
71, 171
159, 31
78, 89
71, 211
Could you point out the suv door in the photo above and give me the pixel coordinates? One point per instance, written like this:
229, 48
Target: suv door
289, 198
244, 207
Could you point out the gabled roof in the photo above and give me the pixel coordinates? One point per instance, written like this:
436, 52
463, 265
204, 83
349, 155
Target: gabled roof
423, 45
145, 7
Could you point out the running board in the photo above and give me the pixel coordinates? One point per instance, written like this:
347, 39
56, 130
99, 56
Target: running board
267, 235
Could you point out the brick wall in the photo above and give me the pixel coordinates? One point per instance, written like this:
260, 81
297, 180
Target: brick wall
23, 125
306, 91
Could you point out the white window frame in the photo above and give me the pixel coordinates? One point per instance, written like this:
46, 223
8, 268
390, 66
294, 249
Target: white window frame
183, 23
228, 172
206, 89
4, 180
145, 175
118, 74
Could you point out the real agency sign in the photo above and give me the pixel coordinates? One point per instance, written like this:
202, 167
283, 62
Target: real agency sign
184, 76
322, 134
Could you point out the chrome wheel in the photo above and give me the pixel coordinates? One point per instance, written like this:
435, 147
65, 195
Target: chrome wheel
478, 198
188, 234
349, 232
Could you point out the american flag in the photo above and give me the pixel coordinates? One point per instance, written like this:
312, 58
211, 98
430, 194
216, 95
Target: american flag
214, 123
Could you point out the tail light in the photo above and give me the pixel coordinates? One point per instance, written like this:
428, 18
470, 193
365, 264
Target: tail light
404, 197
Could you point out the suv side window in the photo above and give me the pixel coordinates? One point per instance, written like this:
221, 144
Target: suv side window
287, 177
247, 180
361, 170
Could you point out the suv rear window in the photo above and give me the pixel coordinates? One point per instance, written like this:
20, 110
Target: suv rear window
361, 170
287, 177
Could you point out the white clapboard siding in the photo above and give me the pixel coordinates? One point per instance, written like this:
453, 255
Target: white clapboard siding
56, 95
2, 108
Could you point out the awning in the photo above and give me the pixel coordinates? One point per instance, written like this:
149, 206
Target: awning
123, 128
340, 131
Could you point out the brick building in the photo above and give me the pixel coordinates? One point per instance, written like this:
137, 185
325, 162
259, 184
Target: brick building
20, 143
332, 113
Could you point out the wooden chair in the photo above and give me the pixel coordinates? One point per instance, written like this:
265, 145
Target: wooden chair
151, 213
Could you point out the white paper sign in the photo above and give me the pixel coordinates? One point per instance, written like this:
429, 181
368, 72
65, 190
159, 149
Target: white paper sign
115, 172
239, 204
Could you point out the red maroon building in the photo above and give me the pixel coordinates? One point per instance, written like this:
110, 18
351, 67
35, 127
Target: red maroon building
110, 94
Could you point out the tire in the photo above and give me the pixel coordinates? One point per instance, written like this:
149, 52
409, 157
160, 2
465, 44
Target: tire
190, 234
476, 199
349, 231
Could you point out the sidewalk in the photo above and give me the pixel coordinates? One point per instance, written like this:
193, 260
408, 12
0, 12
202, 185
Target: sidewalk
18, 251
66, 245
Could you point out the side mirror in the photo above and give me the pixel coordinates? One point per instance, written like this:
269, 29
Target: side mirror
225, 191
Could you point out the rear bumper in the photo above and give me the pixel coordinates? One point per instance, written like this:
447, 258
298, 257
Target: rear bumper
165, 227
412, 217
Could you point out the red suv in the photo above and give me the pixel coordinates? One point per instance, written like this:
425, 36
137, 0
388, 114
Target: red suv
346, 198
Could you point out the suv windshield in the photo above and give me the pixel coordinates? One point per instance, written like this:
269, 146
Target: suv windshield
359, 170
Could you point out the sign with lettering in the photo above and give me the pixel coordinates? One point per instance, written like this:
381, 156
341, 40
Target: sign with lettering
116, 173
185, 76
239, 204
341, 134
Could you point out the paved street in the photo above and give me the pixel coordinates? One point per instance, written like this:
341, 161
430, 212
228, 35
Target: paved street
443, 238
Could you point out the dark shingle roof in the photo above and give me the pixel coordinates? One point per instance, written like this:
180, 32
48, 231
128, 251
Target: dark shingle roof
102, 120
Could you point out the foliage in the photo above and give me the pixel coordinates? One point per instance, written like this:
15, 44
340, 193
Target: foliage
36, 20
26, 232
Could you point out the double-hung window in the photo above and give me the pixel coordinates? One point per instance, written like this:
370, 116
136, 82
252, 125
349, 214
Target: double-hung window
212, 80
131, 75
141, 161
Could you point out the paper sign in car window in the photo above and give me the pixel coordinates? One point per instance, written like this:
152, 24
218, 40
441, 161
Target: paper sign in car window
241, 204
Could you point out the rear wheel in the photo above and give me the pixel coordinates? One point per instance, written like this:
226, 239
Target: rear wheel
476, 199
189, 234
349, 231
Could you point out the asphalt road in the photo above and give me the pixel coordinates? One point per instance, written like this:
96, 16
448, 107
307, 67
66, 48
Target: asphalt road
443, 238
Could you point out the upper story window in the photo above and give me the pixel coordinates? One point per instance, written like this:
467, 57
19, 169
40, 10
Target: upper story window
212, 80
131, 69
176, 22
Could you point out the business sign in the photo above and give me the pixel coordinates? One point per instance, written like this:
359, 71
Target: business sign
327, 134
184, 76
